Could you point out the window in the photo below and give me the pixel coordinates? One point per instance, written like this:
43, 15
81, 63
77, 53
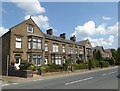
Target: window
70, 50
36, 44
46, 46
30, 28
76, 50
17, 59
63, 49
29, 58
57, 60
37, 60
81, 51
18, 43
52, 61
55, 48
39, 44
29, 43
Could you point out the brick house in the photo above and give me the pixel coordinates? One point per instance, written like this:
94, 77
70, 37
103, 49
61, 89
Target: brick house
26, 41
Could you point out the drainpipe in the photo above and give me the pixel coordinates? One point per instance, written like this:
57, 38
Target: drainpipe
7, 64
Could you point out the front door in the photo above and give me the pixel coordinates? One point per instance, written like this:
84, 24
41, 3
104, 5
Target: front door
17, 62
46, 60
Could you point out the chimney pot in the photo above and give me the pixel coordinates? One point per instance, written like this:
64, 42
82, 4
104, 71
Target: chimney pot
63, 35
50, 31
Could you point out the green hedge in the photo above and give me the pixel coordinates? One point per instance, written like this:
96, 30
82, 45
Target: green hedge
111, 61
93, 63
104, 63
80, 66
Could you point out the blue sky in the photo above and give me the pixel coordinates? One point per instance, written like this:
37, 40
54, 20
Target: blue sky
95, 21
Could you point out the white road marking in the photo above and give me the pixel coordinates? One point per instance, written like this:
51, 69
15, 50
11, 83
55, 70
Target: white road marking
35, 80
109, 73
5, 85
79, 80
15, 83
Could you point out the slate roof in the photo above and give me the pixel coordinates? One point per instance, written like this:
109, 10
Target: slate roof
107, 50
100, 48
59, 39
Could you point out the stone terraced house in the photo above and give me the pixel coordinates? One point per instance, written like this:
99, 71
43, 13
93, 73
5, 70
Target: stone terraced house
26, 41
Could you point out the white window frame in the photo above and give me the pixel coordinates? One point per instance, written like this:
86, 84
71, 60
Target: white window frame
55, 48
36, 61
37, 43
18, 43
64, 49
46, 47
28, 27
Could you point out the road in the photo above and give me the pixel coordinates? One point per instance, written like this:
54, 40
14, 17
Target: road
105, 79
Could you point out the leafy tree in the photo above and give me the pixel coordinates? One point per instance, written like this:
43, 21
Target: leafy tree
97, 55
114, 54
118, 56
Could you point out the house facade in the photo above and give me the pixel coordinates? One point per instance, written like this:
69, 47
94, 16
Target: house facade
105, 53
87, 49
27, 42
108, 53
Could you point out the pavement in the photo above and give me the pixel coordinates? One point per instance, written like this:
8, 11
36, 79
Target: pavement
105, 78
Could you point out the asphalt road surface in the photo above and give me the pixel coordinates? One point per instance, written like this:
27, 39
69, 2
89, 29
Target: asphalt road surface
105, 79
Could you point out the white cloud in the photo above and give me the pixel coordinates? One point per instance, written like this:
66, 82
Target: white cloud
30, 7
106, 42
101, 29
87, 29
3, 31
111, 39
90, 29
106, 18
40, 20
113, 29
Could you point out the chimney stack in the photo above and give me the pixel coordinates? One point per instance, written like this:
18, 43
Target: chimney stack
50, 31
73, 38
63, 35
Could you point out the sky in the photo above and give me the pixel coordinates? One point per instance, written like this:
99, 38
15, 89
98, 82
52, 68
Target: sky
96, 21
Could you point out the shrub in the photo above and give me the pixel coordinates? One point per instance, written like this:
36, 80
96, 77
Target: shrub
31, 67
24, 65
111, 61
104, 63
43, 67
80, 66
93, 63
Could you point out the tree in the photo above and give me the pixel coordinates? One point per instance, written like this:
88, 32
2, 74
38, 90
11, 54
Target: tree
118, 56
97, 55
114, 54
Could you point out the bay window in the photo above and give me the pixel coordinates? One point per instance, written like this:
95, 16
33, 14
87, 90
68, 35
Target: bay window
37, 60
39, 44
36, 43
